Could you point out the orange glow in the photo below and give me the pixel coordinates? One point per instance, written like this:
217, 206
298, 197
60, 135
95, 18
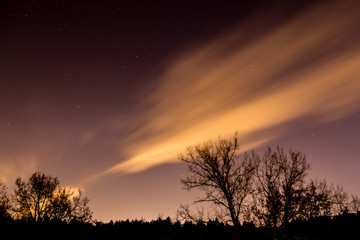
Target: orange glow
224, 87
10, 169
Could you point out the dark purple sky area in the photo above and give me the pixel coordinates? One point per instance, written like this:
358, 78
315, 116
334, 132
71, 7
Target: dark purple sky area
105, 94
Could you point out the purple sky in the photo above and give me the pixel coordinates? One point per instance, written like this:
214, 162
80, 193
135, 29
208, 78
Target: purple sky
105, 94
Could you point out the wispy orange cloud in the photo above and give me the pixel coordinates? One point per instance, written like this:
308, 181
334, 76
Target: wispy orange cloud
11, 168
309, 66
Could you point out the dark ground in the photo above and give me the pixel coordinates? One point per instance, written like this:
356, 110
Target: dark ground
344, 226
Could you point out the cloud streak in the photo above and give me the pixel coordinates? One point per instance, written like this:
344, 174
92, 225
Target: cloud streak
307, 67
12, 168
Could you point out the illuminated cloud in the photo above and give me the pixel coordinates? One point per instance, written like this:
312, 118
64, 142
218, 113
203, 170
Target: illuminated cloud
12, 168
308, 67
74, 191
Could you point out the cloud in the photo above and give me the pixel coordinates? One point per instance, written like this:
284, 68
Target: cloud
308, 66
12, 168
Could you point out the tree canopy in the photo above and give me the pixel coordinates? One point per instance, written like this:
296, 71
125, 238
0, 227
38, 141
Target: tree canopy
41, 198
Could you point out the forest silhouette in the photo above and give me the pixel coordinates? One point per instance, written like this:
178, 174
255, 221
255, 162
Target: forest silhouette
252, 196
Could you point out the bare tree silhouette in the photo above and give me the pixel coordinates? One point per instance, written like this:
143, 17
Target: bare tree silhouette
340, 200
219, 170
317, 200
280, 185
4, 202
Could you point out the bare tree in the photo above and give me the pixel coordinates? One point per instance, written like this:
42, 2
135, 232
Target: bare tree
355, 204
4, 202
185, 214
280, 186
267, 202
80, 210
60, 204
317, 200
340, 200
42, 198
219, 170
33, 198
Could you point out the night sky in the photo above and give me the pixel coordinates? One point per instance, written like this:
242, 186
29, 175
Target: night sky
104, 95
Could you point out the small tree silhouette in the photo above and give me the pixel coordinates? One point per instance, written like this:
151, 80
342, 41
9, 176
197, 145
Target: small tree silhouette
41, 197
4, 202
280, 187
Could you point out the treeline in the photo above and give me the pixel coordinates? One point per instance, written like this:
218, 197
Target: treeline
135, 229
247, 196
344, 226
270, 190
